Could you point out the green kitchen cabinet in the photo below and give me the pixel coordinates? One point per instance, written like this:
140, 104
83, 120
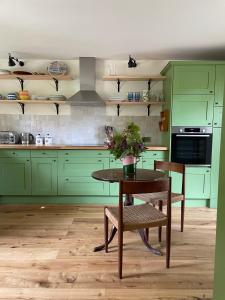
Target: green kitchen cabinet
220, 85
192, 110
194, 79
15, 175
75, 176
197, 182
44, 175
215, 165
217, 116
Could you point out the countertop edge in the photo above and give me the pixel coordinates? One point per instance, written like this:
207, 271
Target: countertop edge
68, 147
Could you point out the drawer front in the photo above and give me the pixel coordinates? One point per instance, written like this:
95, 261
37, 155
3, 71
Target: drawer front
82, 186
78, 167
83, 153
44, 153
14, 153
154, 154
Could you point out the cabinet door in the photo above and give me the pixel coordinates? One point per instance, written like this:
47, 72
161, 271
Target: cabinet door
15, 176
217, 116
215, 166
44, 176
194, 80
196, 110
219, 85
75, 176
197, 182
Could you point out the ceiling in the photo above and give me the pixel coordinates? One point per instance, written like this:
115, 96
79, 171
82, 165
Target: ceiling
147, 29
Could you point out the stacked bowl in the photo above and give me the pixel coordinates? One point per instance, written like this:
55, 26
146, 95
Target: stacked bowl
12, 96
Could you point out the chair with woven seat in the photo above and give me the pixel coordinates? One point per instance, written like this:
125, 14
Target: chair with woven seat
126, 218
160, 199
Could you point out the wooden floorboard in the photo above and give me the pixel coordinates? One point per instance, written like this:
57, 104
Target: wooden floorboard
47, 253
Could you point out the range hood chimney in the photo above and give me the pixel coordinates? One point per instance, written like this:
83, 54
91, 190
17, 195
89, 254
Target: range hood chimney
87, 95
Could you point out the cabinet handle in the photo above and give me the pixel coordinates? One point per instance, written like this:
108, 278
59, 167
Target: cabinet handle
209, 123
67, 179
43, 153
215, 123
154, 154
144, 161
207, 171
54, 160
99, 153
14, 153
67, 159
28, 160
216, 103
66, 153
211, 91
99, 160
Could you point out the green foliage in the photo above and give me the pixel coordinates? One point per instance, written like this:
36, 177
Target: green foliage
128, 142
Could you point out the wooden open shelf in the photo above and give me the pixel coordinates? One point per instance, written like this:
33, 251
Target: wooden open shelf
125, 102
134, 78
34, 77
133, 103
23, 102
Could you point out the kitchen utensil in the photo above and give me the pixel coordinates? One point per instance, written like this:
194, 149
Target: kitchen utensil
57, 68
26, 138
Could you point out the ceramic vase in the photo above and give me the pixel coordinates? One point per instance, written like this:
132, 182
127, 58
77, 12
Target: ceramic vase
129, 165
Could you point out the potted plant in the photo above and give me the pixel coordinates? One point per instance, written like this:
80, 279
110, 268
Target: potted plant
127, 146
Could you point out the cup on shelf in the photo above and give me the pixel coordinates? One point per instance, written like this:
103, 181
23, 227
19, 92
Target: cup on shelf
130, 96
137, 96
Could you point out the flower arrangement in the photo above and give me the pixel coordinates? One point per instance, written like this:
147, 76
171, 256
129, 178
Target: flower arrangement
127, 143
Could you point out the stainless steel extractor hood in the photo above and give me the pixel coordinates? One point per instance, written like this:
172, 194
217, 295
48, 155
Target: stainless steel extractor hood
87, 95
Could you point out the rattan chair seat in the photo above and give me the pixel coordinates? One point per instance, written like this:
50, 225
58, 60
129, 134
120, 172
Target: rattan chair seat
154, 198
137, 216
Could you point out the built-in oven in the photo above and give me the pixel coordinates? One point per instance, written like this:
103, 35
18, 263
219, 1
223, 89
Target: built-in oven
191, 145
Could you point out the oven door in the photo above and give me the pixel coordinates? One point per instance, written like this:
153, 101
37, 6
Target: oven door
191, 148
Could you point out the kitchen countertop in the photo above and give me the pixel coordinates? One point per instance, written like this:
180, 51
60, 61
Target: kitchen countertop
69, 147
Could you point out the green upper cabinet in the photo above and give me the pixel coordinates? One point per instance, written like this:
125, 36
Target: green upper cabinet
219, 85
192, 110
15, 176
217, 116
194, 80
44, 175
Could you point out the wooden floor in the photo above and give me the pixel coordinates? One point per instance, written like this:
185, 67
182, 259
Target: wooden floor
47, 254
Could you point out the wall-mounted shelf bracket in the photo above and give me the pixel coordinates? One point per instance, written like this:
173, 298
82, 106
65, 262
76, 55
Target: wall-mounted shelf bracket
118, 110
21, 82
56, 83
149, 84
118, 85
22, 107
149, 107
57, 108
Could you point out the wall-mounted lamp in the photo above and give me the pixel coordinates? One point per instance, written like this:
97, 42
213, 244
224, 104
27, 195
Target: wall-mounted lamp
132, 62
12, 60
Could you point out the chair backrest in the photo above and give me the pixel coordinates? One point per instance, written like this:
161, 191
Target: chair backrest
173, 167
142, 187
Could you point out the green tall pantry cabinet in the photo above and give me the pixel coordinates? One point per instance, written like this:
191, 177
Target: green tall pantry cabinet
194, 91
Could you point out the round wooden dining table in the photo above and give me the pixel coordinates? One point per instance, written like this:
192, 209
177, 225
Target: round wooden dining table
117, 175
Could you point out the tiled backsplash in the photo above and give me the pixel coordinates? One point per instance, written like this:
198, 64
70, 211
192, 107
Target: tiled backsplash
85, 125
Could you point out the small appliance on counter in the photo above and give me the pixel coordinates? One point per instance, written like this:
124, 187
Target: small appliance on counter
26, 138
48, 139
9, 137
39, 141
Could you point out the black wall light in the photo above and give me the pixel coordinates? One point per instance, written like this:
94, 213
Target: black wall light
132, 62
12, 60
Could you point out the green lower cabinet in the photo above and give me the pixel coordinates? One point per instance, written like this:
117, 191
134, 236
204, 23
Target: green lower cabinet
75, 176
15, 176
215, 166
44, 176
217, 116
192, 109
197, 182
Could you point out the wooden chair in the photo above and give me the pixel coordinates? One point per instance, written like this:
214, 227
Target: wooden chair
126, 218
161, 198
